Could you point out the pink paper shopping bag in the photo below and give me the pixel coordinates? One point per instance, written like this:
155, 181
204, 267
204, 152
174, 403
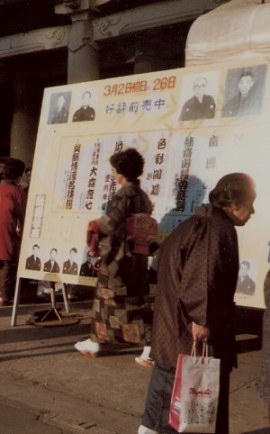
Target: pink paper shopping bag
195, 394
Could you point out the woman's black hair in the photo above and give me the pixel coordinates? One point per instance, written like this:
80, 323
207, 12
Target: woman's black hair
13, 169
234, 188
128, 163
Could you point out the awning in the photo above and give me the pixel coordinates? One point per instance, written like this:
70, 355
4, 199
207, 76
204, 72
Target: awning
237, 30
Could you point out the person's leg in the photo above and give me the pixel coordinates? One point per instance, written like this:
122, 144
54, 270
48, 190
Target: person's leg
71, 292
222, 424
44, 289
91, 346
144, 359
4, 281
147, 315
11, 279
157, 406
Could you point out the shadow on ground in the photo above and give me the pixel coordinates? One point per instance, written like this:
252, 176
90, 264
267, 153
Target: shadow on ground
265, 430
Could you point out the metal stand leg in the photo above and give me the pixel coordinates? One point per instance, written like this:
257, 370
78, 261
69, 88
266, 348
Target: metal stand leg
53, 309
64, 291
16, 302
53, 304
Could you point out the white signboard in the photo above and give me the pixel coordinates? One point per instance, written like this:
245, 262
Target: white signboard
187, 145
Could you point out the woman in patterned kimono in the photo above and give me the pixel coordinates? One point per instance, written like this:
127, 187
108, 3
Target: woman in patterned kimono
122, 281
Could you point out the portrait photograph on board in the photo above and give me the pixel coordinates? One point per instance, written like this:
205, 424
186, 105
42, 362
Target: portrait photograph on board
244, 90
90, 266
245, 283
85, 112
33, 261
70, 266
59, 108
200, 104
51, 266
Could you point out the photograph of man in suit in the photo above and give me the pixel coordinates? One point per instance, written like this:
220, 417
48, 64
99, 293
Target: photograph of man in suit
70, 266
85, 112
59, 108
244, 91
200, 106
33, 262
245, 284
90, 266
51, 266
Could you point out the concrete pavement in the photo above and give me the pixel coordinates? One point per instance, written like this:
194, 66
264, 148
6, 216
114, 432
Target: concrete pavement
27, 420
40, 369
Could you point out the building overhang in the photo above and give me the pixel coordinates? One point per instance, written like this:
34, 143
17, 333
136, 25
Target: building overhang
150, 16
50, 38
133, 20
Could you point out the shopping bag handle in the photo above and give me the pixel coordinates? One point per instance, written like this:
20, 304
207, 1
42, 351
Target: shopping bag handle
204, 349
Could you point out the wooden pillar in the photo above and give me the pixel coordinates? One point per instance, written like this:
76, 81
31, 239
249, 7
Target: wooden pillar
83, 64
24, 121
143, 64
146, 57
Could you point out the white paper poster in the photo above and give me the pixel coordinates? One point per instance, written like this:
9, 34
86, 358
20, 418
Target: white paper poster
192, 126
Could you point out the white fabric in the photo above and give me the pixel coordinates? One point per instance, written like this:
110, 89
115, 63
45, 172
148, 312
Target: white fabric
146, 353
144, 359
143, 430
87, 346
236, 30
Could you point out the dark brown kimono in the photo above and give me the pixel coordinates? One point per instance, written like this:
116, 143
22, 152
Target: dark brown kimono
197, 276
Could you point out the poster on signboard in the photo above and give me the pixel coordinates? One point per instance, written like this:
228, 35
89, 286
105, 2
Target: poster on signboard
192, 126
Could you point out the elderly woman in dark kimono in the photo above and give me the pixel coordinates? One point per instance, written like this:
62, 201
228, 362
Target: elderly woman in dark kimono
196, 279
263, 383
122, 280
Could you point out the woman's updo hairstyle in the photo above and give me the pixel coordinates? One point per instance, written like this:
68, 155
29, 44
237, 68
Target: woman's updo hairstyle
128, 163
235, 188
